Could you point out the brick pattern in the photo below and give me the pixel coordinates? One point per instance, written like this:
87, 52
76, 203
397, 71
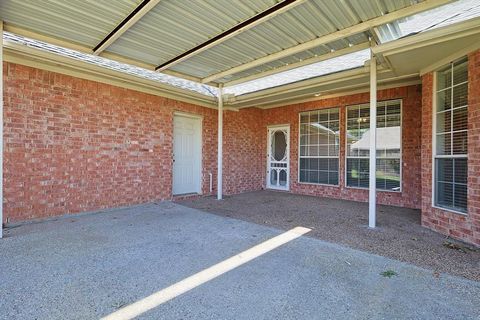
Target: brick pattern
74, 145
411, 136
458, 226
243, 151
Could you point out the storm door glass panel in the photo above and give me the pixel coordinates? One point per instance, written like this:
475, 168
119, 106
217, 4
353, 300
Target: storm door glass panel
279, 145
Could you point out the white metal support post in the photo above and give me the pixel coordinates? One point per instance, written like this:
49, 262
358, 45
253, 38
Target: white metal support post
372, 189
1, 129
220, 144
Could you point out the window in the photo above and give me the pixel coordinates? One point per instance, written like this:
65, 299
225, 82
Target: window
451, 119
388, 174
319, 146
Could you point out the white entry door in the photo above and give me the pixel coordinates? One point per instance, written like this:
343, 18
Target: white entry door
187, 154
278, 167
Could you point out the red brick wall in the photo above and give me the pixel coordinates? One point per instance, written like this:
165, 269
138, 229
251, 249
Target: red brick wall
243, 151
463, 227
75, 145
411, 113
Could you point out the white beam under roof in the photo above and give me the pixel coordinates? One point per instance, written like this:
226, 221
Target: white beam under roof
220, 145
372, 186
129, 21
231, 35
358, 28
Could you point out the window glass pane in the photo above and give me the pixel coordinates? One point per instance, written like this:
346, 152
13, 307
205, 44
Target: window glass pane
451, 127
460, 197
323, 177
364, 180
333, 164
381, 109
444, 122
460, 71
444, 78
444, 143
459, 143
394, 108
460, 119
461, 170
460, 95
444, 169
388, 146
444, 194
352, 112
391, 174
444, 100
352, 179
393, 120
333, 177
319, 143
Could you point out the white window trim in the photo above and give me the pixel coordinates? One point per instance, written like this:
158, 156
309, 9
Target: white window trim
401, 148
434, 139
320, 157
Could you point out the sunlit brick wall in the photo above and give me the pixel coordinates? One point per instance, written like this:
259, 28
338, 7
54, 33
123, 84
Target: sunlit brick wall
463, 227
74, 145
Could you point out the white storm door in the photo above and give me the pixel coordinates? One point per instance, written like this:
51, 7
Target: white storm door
278, 167
187, 154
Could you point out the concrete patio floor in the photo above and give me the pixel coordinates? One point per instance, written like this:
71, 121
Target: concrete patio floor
398, 235
88, 266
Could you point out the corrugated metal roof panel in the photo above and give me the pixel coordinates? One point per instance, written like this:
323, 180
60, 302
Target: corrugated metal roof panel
303, 23
81, 22
173, 27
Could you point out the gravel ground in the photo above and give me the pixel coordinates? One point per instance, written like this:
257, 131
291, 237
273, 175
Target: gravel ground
399, 234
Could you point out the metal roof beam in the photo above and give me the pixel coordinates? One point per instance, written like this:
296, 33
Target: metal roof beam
273, 11
355, 29
141, 10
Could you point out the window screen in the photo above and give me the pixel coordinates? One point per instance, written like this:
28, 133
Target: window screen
389, 138
319, 146
451, 118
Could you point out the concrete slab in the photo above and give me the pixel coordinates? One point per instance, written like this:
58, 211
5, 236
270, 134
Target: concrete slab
85, 267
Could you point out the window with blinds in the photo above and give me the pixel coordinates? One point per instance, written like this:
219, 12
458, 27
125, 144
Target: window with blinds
319, 146
451, 120
388, 163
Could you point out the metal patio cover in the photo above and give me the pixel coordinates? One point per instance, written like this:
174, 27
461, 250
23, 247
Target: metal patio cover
210, 41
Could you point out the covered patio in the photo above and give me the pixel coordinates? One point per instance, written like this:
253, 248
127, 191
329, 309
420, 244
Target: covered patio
256, 158
311, 82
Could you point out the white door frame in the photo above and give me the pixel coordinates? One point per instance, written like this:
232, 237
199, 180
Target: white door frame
287, 169
200, 119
